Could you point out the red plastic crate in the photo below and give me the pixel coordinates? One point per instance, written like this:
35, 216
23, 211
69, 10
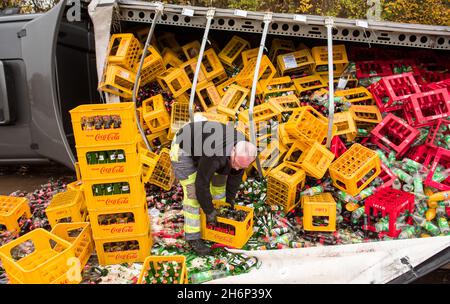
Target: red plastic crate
394, 65
394, 133
432, 141
442, 158
387, 176
444, 84
390, 92
434, 76
421, 154
337, 146
372, 68
392, 202
424, 108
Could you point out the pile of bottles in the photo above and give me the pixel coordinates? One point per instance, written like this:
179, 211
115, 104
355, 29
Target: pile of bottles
101, 122
116, 218
232, 214
166, 272
105, 157
111, 188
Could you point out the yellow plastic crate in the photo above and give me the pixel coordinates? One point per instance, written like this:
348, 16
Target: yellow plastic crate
168, 40
158, 139
152, 262
278, 86
123, 192
282, 186
231, 53
265, 74
286, 105
297, 153
155, 114
352, 82
179, 116
124, 50
208, 95
319, 206
118, 81
214, 117
152, 67
357, 96
76, 185
355, 169
11, 210
279, 47
270, 156
213, 68
308, 125
170, 58
174, 80
345, 125
369, 114
115, 222
191, 49
235, 98
157, 168
296, 63
80, 236
317, 160
284, 136
66, 207
242, 230
307, 85
249, 54
262, 112
46, 264
189, 68
223, 87
91, 128
340, 60
120, 250
109, 160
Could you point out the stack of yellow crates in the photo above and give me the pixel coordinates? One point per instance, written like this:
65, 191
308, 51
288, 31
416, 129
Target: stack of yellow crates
106, 139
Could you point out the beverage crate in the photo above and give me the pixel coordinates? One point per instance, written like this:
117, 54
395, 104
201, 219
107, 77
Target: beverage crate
390, 92
345, 125
262, 112
297, 153
118, 81
128, 249
191, 49
235, 98
158, 169
109, 160
388, 202
66, 207
355, 169
155, 114
286, 105
279, 47
400, 66
76, 186
114, 222
179, 116
317, 160
424, 108
223, 87
265, 74
307, 85
372, 68
337, 146
394, 133
189, 68
170, 59
123, 192
308, 125
270, 155
237, 238
249, 54
442, 158
152, 67
124, 50
387, 176
231, 53
176, 276
432, 76
422, 154
284, 136
340, 60
46, 264
11, 210
369, 114
296, 63
168, 40
158, 139
279, 86
208, 95
317, 209
283, 185
444, 84
174, 80
356, 96
439, 134
100, 124
214, 117
213, 68
80, 236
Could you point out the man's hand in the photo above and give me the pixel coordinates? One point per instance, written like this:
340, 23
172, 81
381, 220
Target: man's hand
211, 218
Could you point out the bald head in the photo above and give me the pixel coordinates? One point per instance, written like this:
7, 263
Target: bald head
243, 154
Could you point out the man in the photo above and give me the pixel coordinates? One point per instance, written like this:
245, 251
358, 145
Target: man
209, 159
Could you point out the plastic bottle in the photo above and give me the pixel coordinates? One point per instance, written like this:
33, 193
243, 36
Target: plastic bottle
439, 196
443, 225
402, 175
407, 233
397, 184
205, 276
358, 213
429, 226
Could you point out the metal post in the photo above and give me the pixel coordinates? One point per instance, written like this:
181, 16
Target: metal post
158, 12
329, 24
209, 17
267, 20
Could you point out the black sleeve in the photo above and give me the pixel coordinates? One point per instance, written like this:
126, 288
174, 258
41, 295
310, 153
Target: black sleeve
233, 182
205, 170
